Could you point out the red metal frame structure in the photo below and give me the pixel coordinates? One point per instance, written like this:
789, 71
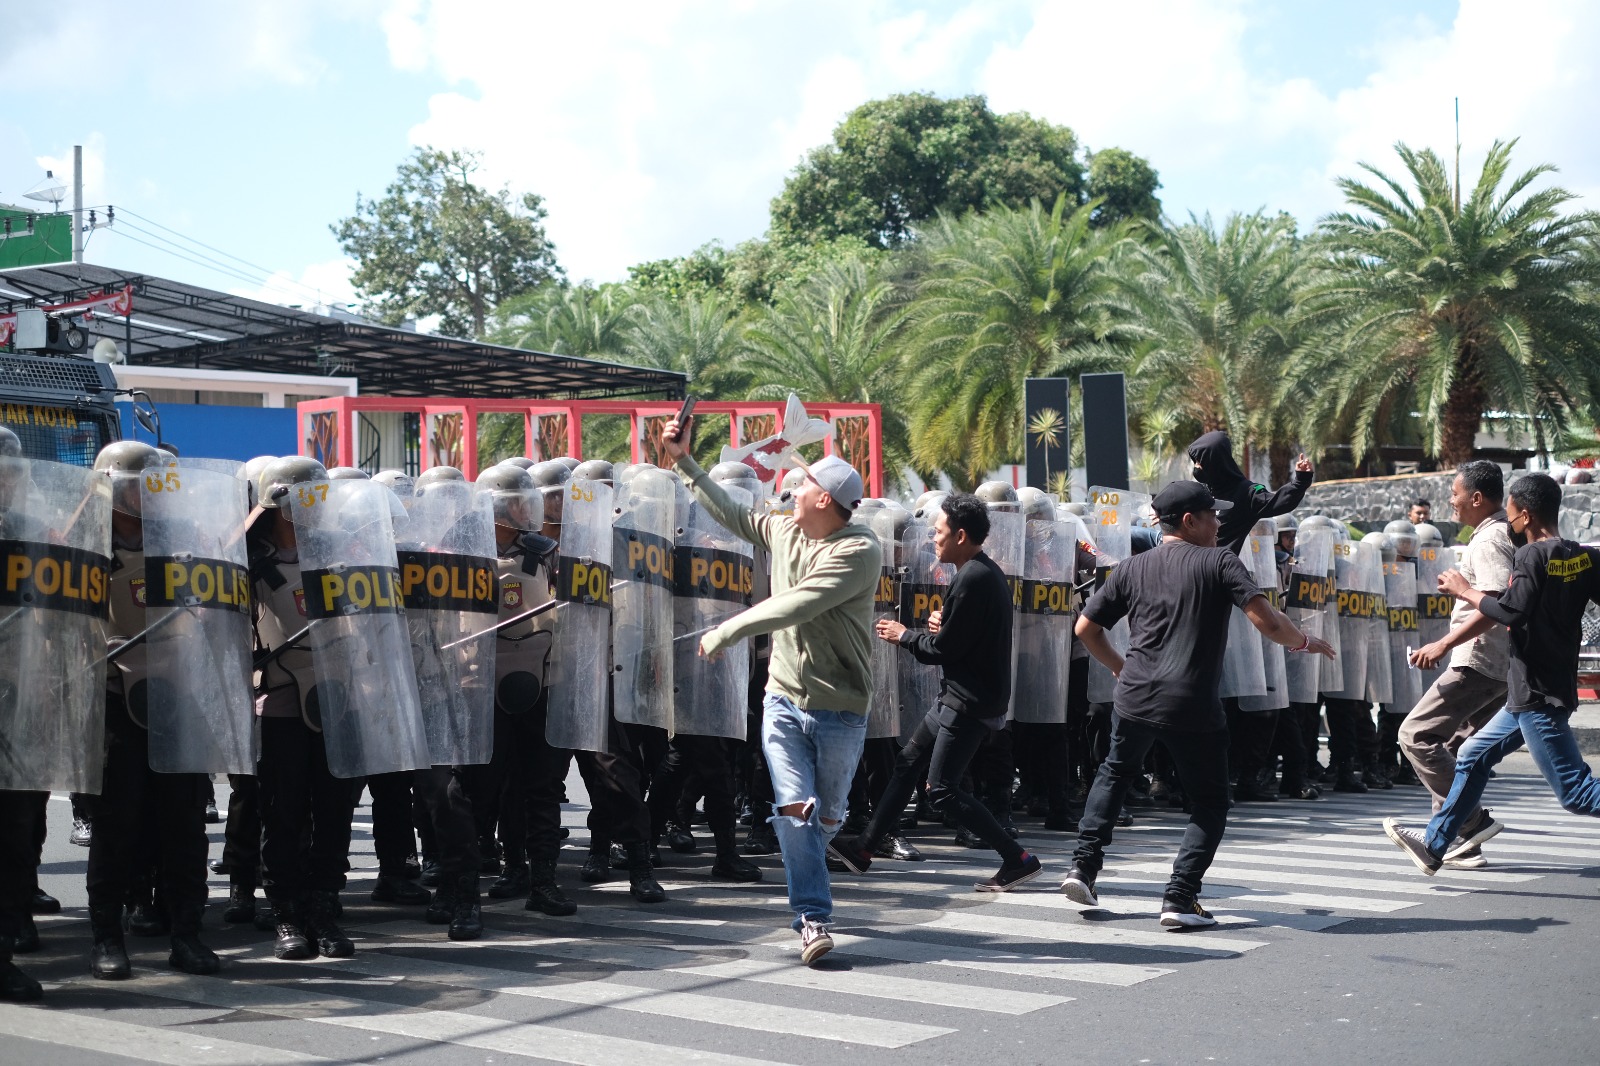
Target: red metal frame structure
449, 427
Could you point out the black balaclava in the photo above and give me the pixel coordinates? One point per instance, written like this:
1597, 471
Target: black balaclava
1212, 453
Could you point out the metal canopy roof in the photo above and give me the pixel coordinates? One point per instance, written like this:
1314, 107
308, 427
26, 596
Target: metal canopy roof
178, 325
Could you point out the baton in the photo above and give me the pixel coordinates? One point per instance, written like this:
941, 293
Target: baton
265, 659
525, 615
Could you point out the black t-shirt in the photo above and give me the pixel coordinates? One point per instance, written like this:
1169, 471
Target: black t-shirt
1177, 599
1552, 581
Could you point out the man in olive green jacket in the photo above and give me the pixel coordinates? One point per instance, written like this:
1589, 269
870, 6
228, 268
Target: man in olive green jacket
824, 573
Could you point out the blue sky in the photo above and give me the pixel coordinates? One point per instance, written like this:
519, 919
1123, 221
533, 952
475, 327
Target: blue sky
652, 128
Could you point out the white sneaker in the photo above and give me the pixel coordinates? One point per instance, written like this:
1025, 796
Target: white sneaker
1079, 888
814, 940
1178, 915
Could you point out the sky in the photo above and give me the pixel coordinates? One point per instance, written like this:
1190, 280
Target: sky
230, 135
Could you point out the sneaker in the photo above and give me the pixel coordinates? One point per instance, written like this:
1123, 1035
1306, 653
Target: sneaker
1009, 877
897, 848
213, 816
1465, 858
1079, 887
81, 831
1410, 841
1184, 914
814, 940
1473, 834
849, 852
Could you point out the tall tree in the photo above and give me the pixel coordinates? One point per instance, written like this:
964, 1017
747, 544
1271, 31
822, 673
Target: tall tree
578, 320
896, 162
1451, 310
437, 243
1004, 296
1125, 185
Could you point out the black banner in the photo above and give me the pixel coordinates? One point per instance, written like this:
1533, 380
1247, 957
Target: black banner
1402, 619
886, 600
1309, 592
643, 557
1350, 604
1436, 605
711, 573
171, 582
583, 581
53, 577
1048, 597
444, 581
342, 591
917, 602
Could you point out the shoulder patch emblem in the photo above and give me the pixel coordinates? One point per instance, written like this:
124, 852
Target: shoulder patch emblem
510, 593
300, 601
136, 586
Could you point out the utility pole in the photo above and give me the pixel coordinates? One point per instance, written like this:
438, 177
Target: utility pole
77, 204
1458, 157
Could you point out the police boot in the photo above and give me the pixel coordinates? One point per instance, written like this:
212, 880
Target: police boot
43, 902
762, 839
511, 884
15, 986
467, 921
191, 956
1346, 778
241, 902
322, 926
1375, 777
543, 892
642, 884
393, 888
596, 866
27, 940
729, 865
108, 959
148, 919
288, 922
444, 901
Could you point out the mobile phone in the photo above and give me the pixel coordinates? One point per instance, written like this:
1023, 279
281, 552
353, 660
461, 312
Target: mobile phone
683, 416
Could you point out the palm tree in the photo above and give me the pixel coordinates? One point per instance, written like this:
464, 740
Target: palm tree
1005, 296
701, 338
1046, 428
578, 320
1449, 308
1211, 312
834, 338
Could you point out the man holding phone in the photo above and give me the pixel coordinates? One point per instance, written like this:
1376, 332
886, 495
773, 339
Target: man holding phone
824, 574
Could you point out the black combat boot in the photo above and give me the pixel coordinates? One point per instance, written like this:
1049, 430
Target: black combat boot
147, 918
322, 926
241, 902
289, 923
108, 959
15, 986
511, 884
443, 906
762, 839
1346, 778
642, 884
543, 892
596, 866
467, 921
27, 941
189, 955
729, 865
43, 902
393, 888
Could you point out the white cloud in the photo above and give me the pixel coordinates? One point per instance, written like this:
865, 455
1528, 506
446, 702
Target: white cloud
326, 283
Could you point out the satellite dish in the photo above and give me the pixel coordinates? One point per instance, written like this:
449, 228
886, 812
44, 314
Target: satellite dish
106, 351
52, 190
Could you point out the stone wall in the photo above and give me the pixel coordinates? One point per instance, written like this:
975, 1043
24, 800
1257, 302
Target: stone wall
1371, 503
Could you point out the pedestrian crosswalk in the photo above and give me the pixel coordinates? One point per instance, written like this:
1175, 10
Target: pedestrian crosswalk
712, 976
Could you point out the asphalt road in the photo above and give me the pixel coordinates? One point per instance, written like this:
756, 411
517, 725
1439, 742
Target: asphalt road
1335, 950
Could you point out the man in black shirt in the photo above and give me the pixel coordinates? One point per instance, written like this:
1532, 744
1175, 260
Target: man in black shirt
1552, 581
1176, 598
970, 640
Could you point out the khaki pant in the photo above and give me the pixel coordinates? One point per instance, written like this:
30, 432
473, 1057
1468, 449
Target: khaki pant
1456, 706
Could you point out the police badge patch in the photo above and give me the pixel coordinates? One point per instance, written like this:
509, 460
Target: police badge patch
300, 601
137, 587
511, 593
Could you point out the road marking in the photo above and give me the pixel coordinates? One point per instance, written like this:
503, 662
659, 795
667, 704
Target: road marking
1399, 866
1234, 875
171, 1045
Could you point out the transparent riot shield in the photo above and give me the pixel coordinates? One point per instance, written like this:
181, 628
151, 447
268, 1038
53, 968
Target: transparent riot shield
712, 580
580, 657
1305, 602
1353, 609
365, 695
1400, 594
1380, 682
924, 580
446, 553
1004, 544
1433, 606
1044, 620
1331, 672
887, 524
1257, 554
1111, 517
199, 703
55, 535
643, 537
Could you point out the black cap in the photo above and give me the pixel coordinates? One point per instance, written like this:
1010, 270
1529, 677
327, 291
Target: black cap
1185, 497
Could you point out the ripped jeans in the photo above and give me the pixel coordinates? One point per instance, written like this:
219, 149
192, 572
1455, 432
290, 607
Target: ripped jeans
813, 756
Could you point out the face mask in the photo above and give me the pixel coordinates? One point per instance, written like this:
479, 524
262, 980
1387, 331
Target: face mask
1519, 539
1200, 475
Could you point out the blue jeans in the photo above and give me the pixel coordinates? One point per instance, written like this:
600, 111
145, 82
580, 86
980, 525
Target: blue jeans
1547, 732
812, 755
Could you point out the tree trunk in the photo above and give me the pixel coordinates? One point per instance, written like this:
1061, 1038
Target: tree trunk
1279, 456
1461, 417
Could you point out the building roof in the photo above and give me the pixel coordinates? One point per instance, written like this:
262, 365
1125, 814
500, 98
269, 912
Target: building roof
178, 325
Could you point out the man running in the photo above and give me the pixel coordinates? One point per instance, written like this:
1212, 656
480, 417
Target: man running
1177, 598
1552, 582
824, 574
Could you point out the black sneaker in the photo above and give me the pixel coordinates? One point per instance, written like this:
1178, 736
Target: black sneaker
1472, 835
81, 831
850, 854
1184, 914
1410, 841
897, 848
1079, 887
1009, 877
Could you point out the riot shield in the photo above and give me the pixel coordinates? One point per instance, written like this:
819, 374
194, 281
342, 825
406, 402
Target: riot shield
712, 580
580, 657
1004, 544
1353, 608
643, 535
55, 535
199, 703
1310, 590
1400, 593
1380, 683
1044, 623
1433, 606
1111, 516
1257, 554
365, 696
924, 580
884, 721
446, 553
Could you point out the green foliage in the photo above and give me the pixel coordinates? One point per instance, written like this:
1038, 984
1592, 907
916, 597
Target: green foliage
1125, 185
439, 244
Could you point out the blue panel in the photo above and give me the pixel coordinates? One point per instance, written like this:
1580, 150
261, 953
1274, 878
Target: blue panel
215, 432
